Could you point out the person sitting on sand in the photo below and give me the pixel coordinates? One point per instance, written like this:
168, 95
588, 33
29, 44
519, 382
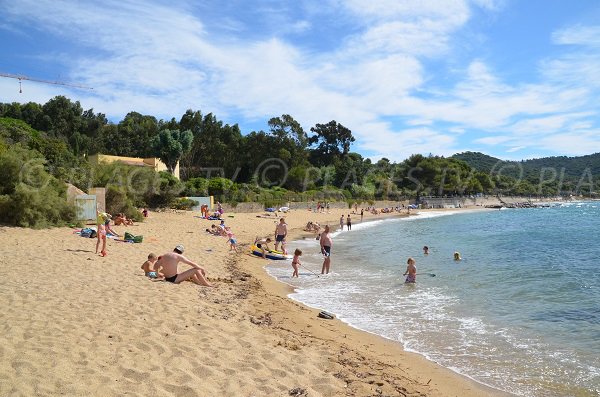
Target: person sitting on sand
168, 263
121, 219
411, 271
145, 213
263, 245
148, 267
308, 227
214, 230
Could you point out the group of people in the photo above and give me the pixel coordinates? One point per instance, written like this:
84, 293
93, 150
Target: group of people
321, 207
103, 227
348, 222
411, 268
165, 267
121, 219
280, 235
224, 231
281, 232
312, 227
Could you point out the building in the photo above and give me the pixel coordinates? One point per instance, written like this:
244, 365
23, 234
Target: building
133, 161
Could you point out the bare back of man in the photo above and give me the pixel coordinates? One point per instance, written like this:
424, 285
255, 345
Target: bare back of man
169, 264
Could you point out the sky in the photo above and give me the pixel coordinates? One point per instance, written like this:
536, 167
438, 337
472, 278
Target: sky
515, 79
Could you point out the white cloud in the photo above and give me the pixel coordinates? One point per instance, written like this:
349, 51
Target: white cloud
572, 143
578, 35
547, 124
162, 60
515, 149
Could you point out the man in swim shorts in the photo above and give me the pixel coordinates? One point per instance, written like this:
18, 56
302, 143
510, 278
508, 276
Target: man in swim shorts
326, 243
168, 262
280, 234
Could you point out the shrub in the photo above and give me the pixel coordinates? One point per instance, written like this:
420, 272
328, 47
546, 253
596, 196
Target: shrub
29, 195
183, 203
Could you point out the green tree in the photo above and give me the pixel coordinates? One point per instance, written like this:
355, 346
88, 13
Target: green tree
171, 145
330, 141
137, 133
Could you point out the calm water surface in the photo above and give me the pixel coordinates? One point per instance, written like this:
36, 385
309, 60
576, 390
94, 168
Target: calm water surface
520, 312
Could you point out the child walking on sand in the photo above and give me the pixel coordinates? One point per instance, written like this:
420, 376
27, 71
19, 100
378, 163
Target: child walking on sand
231, 239
148, 267
296, 262
411, 271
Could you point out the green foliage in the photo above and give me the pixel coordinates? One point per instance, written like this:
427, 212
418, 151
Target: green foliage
171, 145
332, 141
196, 187
215, 158
219, 186
165, 191
183, 203
29, 195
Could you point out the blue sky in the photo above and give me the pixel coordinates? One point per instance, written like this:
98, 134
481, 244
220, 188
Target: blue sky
513, 79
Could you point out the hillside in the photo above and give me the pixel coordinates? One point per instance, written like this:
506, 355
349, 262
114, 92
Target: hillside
574, 167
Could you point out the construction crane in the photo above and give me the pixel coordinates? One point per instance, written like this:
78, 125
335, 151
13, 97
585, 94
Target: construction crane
21, 78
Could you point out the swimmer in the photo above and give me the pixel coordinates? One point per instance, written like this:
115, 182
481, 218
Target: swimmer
457, 256
411, 271
425, 250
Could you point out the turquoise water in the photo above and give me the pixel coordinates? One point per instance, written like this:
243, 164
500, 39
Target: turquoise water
520, 312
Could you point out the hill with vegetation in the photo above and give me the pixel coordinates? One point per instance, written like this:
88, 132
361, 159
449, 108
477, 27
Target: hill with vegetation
574, 167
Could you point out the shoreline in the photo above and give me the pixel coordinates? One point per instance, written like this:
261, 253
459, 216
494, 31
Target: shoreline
299, 234
76, 323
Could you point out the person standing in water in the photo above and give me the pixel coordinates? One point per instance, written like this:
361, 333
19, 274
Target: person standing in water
342, 222
349, 222
362, 213
326, 243
425, 250
280, 234
411, 271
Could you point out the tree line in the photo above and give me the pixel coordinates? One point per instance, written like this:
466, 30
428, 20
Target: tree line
284, 162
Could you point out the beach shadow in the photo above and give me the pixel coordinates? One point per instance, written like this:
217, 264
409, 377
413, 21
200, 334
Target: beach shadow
70, 250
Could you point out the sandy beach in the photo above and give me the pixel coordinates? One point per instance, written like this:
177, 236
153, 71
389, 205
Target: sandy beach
74, 323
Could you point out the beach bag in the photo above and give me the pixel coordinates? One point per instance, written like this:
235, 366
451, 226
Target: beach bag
130, 237
86, 232
93, 234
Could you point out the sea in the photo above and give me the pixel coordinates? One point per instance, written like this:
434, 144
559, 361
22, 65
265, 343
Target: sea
520, 312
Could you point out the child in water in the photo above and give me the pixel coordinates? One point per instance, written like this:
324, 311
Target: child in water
296, 262
411, 271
